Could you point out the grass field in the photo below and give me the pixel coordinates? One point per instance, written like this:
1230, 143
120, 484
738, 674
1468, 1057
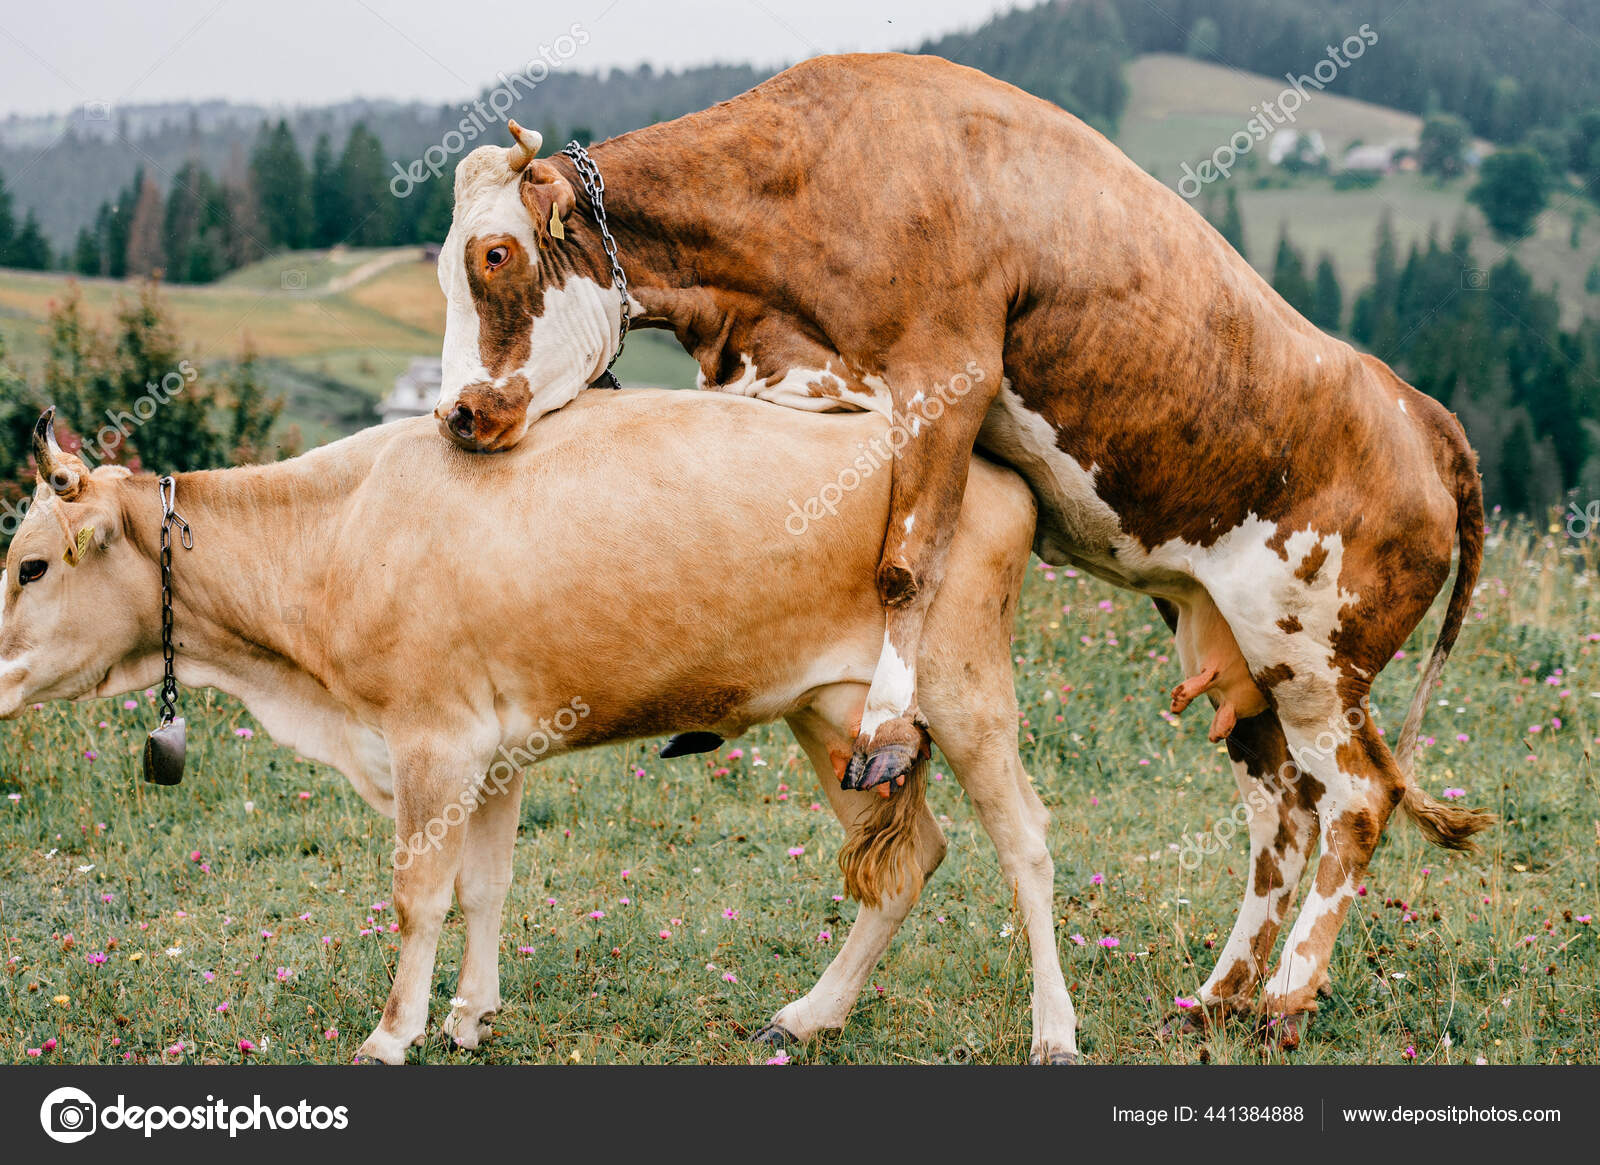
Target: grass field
251, 902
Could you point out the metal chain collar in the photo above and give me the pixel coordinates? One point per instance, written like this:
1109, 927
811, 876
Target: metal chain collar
595, 187
169, 518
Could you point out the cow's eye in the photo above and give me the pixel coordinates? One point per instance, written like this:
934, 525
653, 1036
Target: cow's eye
32, 570
497, 257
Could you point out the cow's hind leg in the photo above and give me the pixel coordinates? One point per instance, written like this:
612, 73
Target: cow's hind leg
982, 750
1352, 781
823, 732
1281, 827
481, 889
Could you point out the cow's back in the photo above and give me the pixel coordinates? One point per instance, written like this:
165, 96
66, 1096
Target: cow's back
666, 557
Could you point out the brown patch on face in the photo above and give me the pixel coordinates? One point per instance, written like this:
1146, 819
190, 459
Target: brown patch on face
1289, 624
508, 297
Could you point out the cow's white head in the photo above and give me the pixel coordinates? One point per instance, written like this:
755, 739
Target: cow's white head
79, 598
530, 318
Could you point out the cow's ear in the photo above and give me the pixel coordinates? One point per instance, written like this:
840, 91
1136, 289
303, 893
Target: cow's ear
548, 196
89, 533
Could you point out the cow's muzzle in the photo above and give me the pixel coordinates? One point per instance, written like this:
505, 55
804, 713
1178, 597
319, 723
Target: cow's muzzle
486, 418
13, 690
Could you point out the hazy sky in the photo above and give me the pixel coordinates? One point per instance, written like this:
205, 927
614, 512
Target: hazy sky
55, 55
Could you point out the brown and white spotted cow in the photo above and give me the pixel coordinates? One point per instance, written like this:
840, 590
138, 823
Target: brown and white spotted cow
906, 235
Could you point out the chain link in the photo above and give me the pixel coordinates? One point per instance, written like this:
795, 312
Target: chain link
169, 518
595, 187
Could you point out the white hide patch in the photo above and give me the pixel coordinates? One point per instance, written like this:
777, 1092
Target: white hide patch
1079, 523
1250, 583
1253, 587
799, 388
894, 686
1296, 971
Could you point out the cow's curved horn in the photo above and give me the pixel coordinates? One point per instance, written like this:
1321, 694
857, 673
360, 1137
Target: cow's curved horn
527, 147
60, 469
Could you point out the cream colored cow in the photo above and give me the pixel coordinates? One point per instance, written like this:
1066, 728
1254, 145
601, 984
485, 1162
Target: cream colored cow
431, 621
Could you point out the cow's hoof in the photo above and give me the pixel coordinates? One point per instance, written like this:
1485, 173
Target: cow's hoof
1176, 1027
1284, 1031
382, 1048
776, 1037
889, 765
1054, 1059
689, 743
887, 757
464, 1033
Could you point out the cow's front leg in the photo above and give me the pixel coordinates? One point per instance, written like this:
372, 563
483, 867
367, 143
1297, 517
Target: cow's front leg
938, 413
435, 789
481, 887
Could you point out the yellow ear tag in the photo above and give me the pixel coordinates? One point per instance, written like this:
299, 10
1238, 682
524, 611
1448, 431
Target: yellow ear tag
76, 552
557, 231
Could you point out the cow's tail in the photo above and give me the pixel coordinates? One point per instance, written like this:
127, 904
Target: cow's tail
879, 856
1447, 825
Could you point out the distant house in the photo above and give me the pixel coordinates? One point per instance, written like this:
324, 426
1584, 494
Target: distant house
415, 392
1370, 159
1292, 146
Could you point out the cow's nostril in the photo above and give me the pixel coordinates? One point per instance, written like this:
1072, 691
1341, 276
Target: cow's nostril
460, 422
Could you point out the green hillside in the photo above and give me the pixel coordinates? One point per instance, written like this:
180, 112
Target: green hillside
1180, 110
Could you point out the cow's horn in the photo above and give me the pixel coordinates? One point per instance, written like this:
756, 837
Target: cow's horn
63, 471
527, 147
